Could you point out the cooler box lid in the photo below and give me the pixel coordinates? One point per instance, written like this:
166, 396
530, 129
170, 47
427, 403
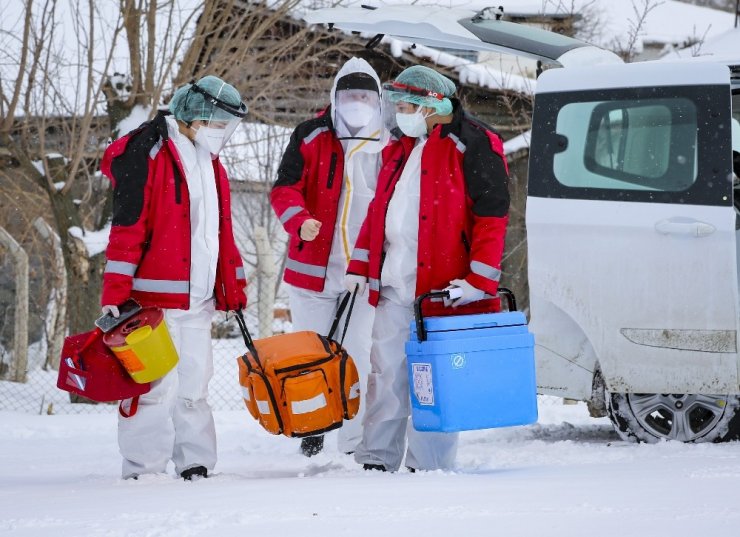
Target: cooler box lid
478, 321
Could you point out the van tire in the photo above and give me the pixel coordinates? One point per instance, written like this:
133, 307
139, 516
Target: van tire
705, 423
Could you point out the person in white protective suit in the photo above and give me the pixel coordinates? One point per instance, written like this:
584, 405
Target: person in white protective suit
437, 221
325, 182
172, 246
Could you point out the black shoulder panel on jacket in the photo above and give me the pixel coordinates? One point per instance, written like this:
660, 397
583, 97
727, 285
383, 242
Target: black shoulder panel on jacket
485, 172
131, 170
290, 170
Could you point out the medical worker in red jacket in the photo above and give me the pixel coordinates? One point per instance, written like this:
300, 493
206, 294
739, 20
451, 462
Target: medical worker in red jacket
171, 245
438, 220
325, 182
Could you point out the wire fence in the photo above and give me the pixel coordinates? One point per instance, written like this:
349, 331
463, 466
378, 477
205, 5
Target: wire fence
40, 395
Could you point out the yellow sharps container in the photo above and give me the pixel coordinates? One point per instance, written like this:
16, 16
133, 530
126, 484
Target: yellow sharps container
143, 345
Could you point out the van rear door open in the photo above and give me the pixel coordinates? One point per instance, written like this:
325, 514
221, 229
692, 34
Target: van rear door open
463, 29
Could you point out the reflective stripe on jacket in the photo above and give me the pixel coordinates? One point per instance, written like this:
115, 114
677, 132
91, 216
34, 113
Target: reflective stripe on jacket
463, 212
148, 254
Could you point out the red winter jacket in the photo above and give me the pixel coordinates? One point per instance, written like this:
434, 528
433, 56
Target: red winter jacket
309, 185
463, 212
149, 247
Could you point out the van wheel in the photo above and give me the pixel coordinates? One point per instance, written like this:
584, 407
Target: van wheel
650, 417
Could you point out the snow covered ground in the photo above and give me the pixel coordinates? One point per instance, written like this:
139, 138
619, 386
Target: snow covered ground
568, 475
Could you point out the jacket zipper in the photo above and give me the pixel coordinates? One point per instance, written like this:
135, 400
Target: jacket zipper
395, 171
465, 242
178, 184
332, 170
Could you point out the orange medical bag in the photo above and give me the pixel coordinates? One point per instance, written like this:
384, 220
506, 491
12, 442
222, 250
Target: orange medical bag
299, 384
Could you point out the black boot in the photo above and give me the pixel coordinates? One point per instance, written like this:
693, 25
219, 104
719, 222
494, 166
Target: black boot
194, 472
378, 467
312, 445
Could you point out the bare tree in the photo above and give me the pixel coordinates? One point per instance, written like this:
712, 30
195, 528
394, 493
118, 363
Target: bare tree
50, 100
75, 74
640, 11
59, 105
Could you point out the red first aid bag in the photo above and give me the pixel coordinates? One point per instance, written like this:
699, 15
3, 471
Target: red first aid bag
90, 369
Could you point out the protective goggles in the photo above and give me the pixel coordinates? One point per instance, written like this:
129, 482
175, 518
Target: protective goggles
216, 129
236, 111
397, 87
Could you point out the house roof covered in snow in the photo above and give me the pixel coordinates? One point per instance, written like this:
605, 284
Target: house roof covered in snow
722, 47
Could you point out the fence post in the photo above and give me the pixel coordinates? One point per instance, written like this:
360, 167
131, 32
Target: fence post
55, 321
267, 279
20, 337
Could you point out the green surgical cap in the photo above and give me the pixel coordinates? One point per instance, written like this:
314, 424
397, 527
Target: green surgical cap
187, 105
423, 77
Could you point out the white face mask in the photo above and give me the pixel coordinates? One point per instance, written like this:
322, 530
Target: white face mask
356, 114
413, 124
210, 138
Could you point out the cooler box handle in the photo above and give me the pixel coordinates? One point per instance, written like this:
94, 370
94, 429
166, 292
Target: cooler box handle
421, 332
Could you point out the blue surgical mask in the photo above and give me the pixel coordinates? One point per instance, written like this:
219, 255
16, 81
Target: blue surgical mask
413, 124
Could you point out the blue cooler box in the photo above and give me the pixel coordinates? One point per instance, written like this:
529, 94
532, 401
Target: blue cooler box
472, 372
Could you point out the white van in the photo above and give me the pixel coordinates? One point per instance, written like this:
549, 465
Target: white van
631, 228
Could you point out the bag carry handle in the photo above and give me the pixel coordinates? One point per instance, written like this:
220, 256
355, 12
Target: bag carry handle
340, 310
77, 354
247, 337
421, 331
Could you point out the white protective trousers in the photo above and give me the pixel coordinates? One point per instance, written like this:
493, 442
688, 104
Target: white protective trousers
174, 420
387, 421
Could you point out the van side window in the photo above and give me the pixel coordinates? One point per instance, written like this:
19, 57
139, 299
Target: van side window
643, 145
662, 144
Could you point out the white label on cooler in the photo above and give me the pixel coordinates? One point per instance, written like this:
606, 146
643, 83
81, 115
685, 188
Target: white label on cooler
423, 383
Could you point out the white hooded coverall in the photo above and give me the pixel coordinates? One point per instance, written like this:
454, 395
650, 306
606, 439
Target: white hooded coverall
387, 422
315, 311
174, 420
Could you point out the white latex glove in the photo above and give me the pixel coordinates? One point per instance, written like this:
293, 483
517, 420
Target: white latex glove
309, 229
469, 293
353, 280
113, 310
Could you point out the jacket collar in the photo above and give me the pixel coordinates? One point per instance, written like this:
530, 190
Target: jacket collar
160, 125
325, 117
455, 126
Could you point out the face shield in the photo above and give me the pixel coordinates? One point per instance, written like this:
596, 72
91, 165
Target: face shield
216, 128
